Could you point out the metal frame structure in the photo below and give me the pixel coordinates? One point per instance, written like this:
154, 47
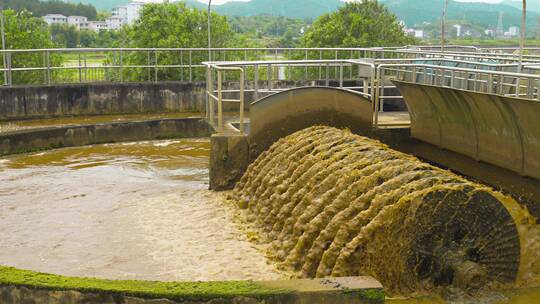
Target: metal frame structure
189, 65
376, 76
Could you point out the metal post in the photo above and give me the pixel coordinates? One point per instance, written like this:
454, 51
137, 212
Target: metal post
155, 66
443, 26
220, 103
269, 80
341, 75
210, 98
256, 82
80, 68
209, 30
190, 67
306, 68
522, 37
6, 80
121, 66
242, 80
48, 68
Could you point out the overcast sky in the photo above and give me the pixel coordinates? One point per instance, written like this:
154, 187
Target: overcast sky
224, 1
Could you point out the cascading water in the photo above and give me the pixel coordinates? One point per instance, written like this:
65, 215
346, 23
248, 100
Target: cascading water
331, 203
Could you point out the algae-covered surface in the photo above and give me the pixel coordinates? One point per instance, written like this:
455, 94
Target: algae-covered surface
145, 289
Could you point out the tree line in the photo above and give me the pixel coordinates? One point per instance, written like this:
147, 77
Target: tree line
174, 25
41, 8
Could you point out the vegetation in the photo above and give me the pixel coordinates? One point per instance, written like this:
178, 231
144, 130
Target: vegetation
70, 37
358, 24
24, 31
270, 31
174, 25
145, 289
42, 8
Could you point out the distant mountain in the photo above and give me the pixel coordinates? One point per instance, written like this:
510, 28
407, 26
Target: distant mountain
532, 5
412, 12
103, 5
479, 13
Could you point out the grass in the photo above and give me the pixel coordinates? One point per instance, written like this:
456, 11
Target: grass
144, 289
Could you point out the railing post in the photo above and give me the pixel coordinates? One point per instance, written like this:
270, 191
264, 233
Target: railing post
490, 84
190, 66
306, 68
48, 68
256, 82
269, 79
10, 71
341, 75
518, 86
80, 68
220, 103
327, 79
85, 68
4, 65
211, 92
530, 88
155, 66
242, 80
181, 65
121, 66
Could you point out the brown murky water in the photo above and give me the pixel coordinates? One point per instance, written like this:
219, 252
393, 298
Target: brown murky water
122, 211
10, 126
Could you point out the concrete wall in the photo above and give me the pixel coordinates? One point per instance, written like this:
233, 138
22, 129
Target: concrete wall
114, 98
48, 138
499, 130
279, 115
89, 99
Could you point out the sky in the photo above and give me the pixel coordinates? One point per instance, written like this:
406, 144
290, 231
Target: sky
225, 1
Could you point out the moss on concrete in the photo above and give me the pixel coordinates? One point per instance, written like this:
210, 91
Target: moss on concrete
143, 289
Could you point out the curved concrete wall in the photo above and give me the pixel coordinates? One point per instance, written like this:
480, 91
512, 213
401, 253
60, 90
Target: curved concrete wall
279, 115
70, 136
499, 130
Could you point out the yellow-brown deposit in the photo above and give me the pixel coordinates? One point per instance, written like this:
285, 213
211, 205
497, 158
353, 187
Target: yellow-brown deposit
331, 203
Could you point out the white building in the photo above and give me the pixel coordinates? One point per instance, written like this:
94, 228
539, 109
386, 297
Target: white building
114, 23
419, 34
55, 19
458, 28
128, 13
80, 22
97, 26
514, 31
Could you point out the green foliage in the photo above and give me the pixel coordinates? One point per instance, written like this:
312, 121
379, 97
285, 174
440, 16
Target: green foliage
270, 31
69, 37
103, 4
24, 31
180, 291
360, 24
174, 25
42, 8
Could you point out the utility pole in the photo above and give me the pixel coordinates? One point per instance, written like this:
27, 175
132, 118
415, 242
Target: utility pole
209, 31
443, 25
523, 29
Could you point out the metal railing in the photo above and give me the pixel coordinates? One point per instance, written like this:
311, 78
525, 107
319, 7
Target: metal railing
509, 84
369, 78
52, 66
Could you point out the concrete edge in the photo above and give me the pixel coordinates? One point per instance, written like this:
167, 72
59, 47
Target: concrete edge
32, 140
17, 286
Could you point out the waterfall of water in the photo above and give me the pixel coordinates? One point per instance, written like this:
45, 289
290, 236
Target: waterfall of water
331, 203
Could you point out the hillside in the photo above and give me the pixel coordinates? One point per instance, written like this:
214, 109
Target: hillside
103, 5
532, 5
41, 8
478, 13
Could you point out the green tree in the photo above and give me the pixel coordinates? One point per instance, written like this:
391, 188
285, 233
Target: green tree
359, 24
23, 31
174, 25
